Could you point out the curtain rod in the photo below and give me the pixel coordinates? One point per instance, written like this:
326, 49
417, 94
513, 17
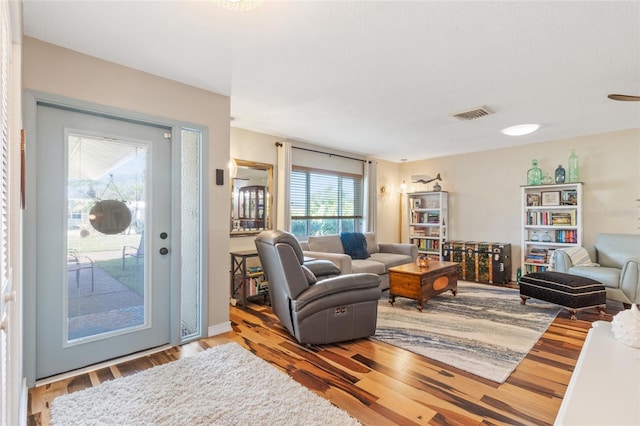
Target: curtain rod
326, 153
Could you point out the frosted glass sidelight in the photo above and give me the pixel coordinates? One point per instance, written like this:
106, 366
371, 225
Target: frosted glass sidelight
190, 233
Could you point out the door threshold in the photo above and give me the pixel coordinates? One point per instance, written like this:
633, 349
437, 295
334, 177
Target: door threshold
108, 363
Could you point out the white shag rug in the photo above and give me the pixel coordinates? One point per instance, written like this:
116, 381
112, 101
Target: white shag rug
224, 385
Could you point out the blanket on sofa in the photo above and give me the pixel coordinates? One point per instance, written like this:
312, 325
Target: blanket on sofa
578, 255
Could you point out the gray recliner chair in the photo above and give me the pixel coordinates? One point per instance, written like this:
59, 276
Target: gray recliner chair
316, 311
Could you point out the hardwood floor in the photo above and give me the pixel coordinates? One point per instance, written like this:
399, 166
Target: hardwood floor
377, 383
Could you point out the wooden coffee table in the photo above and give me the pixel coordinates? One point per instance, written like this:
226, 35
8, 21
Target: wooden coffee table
422, 282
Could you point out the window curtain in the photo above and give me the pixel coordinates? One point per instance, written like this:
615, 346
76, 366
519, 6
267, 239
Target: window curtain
371, 195
283, 212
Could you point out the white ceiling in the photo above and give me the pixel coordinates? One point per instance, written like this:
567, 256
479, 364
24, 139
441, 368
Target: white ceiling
378, 78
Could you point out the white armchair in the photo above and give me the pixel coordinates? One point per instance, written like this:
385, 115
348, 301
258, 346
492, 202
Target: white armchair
619, 258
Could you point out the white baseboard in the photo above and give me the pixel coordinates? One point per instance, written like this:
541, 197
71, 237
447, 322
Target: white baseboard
216, 329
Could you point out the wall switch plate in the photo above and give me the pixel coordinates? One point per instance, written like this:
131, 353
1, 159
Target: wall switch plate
219, 177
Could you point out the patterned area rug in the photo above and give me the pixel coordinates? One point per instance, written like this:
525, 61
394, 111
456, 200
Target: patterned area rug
483, 330
224, 385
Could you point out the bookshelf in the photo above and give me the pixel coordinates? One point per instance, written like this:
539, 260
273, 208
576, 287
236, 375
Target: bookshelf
247, 282
428, 221
551, 219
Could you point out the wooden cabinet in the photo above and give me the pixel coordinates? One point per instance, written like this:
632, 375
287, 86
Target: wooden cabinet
551, 219
428, 221
251, 208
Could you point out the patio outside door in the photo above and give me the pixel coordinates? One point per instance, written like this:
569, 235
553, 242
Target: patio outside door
102, 257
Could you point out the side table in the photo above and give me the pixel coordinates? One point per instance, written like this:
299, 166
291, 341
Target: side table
240, 276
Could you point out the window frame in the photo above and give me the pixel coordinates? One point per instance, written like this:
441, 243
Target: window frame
353, 221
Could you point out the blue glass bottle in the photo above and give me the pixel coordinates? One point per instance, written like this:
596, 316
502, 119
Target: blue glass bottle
560, 174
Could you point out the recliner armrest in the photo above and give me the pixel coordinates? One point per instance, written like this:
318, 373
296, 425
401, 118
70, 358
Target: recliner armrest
335, 285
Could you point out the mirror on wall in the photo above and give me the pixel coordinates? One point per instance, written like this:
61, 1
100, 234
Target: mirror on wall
251, 189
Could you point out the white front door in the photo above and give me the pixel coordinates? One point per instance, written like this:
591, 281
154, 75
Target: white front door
102, 253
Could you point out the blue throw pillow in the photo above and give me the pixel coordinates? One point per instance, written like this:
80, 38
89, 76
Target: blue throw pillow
354, 244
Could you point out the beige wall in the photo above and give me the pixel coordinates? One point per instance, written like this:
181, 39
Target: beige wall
60, 71
261, 148
389, 205
485, 186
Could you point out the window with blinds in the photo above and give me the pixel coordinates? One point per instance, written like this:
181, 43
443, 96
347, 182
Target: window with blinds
325, 202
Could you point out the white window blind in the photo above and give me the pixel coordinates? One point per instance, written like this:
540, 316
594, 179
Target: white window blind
325, 199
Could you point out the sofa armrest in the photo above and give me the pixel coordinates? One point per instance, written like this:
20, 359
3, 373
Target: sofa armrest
341, 260
562, 261
630, 279
400, 248
337, 285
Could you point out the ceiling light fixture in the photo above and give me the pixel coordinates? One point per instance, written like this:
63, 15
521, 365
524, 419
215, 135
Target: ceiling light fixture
238, 5
520, 129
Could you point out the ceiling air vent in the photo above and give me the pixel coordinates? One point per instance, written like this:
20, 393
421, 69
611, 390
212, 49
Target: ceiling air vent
472, 113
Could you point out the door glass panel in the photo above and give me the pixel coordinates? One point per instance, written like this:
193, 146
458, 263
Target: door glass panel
190, 193
105, 265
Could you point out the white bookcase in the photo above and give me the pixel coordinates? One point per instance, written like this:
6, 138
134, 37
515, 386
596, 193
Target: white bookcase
428, 221
551, 219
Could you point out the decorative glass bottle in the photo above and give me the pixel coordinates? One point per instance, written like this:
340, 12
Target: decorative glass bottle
546, 237
574, 176
560, 174
534, 174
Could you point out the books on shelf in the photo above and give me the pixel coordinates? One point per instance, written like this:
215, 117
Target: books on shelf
570, 237
254, 285
547, 218
535, 268
539, 255
418, 231
426, 245
425, 217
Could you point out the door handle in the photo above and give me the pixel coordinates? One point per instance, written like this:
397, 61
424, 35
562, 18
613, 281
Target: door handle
164, 251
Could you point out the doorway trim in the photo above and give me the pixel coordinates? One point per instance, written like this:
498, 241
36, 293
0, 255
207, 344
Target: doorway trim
31, 99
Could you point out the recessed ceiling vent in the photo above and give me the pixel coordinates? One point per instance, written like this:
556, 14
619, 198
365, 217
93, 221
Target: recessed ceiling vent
472, 114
